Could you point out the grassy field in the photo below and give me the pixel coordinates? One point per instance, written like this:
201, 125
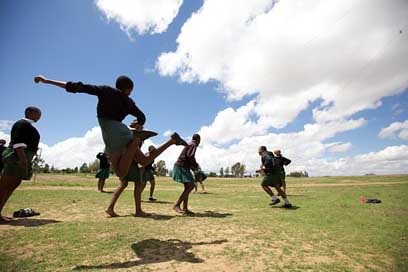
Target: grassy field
234, 228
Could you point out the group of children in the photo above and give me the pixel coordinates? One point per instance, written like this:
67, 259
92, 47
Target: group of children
122, 149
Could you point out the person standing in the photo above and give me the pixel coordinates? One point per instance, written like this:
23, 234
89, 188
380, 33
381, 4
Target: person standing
103, 172
18, 156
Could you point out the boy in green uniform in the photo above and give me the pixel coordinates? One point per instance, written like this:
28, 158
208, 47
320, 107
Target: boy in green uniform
148, 176
282, 162
199, 177
114, 104
103, 172
18, 156
182, 173
272, 177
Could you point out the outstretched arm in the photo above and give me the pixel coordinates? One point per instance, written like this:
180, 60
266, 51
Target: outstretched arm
71, 87
44, 80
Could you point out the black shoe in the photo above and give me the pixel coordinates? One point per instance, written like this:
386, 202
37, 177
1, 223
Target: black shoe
288, 206
274, 202
152, 199
178, 139
143, 134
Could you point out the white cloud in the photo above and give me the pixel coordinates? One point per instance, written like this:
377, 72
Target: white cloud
348, 53
6, 124
396, 128
74, 151
167, 133
339, 147
152, 16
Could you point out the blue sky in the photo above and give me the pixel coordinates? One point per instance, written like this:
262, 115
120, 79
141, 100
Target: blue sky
223, 78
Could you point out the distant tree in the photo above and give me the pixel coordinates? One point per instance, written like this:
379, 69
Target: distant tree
84, 168
221, 171
242, 170
76, 170
46, 168
235, 169
212, 174
227, 171
161, 168
94, 166
299, 174
52, 169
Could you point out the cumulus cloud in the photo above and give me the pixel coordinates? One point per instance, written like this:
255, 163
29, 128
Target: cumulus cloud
6, 125
349, 54
153, 16
339, 147
399, 129
75, 151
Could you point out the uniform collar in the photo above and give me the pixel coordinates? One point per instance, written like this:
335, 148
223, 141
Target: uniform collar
29, 120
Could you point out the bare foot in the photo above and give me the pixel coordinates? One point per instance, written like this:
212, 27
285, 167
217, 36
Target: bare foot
142, 214
111, 213
178, 209
188, 212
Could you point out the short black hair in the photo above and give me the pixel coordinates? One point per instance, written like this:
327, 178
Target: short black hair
263, 148
196, 137
30, 109
124, 83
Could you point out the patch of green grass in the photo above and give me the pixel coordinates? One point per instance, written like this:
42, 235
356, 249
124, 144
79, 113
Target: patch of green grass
328, 230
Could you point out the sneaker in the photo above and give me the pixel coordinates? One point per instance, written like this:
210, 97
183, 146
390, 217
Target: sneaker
152, 199
143, 134
178, 139
288, 205
274, 202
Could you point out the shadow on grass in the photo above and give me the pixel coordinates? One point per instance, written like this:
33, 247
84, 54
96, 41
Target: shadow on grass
281, 207
157, 202
209, 214
153, 216
31, 222
202, 193
156, 251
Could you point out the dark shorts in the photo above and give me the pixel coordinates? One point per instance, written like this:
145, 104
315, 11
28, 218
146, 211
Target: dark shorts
133, 174
148, 175
182, 174
102, 173
272, 179
12, 166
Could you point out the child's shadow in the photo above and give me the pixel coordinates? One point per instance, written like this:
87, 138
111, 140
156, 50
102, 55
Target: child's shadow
210, 214
156, 251
31, 222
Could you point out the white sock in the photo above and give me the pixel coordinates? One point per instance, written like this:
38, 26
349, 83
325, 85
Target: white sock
286, 200
274, 197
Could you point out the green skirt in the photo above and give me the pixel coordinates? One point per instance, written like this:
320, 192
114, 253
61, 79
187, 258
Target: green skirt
12, 166
182, 174
115, 134
102, 173
148, 175
133, 174
272, 179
